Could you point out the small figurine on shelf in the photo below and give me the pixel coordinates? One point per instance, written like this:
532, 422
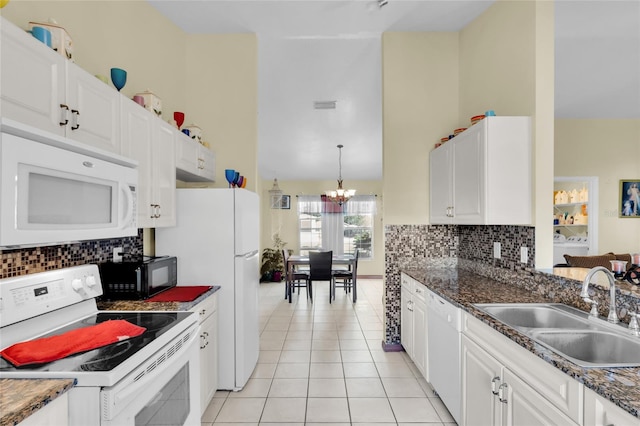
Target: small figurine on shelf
151, 102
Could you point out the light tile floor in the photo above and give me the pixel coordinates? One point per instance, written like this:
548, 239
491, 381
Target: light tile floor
323, 363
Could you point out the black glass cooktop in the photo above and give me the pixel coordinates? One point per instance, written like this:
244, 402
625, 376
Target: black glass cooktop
108, 357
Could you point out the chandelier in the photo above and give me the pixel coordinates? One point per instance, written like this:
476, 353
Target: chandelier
340, 195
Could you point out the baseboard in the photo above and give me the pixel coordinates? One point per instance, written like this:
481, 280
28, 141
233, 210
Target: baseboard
392, 347
370, 277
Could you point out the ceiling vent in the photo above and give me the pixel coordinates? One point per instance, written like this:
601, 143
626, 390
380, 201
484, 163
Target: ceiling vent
324, 104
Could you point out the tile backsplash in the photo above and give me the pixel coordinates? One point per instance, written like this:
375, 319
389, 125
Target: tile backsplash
450, 245
38, 259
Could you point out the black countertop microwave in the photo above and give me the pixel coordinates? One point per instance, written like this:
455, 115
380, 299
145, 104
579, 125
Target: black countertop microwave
140, 279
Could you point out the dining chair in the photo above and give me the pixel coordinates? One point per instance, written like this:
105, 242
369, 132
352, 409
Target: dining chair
320, 270
346, 276
292, 277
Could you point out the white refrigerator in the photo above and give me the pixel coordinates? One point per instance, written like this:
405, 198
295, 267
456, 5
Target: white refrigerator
216, 241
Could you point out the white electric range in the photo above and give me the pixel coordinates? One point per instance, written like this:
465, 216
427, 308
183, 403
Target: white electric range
150, 379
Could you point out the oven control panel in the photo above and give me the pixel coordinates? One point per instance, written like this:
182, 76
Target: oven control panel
29, 296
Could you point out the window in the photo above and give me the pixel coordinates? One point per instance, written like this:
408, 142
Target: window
325, 225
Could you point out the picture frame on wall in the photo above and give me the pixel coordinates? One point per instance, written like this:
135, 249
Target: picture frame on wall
629, 201
281, 202
286, 202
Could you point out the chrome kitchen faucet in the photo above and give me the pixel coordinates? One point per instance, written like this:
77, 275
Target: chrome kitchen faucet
613, 316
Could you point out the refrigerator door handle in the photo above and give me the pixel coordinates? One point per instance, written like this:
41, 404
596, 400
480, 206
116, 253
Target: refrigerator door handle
251, 254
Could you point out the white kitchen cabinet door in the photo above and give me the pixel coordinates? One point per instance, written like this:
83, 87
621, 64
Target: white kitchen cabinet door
406, 321
208, 360
32, 80
599, 411
207, 311
150, 141
164, 173
481, 375
207, 164
469, 176
413, 322
137, 125
525, 406
420, 334
97, 122
186, 156
194, 162
440, 183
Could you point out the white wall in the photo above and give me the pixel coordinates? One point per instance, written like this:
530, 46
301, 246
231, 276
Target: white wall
506, 64
420, 105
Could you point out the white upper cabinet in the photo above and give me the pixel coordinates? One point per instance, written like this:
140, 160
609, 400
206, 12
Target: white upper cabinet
32, 80
194, 161
97, 122
149, 140
483, 175
40, 88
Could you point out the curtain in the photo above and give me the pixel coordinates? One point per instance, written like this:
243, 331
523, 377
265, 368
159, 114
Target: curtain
333, 232
309, 204
333, 216
360, 204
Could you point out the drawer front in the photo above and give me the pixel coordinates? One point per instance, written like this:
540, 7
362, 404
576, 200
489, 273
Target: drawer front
207, 307
407, 282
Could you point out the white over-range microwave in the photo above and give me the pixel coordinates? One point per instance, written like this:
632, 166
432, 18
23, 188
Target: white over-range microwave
54, 190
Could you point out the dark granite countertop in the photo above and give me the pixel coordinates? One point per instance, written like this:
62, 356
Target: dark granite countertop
464, 288
20, 398
142, 305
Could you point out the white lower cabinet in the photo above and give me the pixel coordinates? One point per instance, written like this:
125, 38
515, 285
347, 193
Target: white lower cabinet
55, 413
504, 384
207, 311
413, 322
600, 412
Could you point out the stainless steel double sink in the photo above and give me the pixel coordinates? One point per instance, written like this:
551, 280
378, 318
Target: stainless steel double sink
568, 331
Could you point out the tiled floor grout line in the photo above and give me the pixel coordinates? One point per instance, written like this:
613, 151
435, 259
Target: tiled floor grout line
343, 319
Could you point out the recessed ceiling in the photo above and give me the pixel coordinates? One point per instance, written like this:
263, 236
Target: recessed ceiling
329, 50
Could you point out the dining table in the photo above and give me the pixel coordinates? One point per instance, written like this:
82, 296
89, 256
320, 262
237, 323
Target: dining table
295, 261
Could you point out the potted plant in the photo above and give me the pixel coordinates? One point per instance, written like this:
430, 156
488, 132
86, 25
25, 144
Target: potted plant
272, 263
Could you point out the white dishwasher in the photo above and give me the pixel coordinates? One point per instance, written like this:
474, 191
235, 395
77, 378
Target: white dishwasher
444, 326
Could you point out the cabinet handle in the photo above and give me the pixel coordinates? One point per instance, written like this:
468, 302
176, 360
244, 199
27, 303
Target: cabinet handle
201, 163
501, 396
202, 340
494, 381
202, 312
409, 305
64, 114
418, 291
155, 211
75, 125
